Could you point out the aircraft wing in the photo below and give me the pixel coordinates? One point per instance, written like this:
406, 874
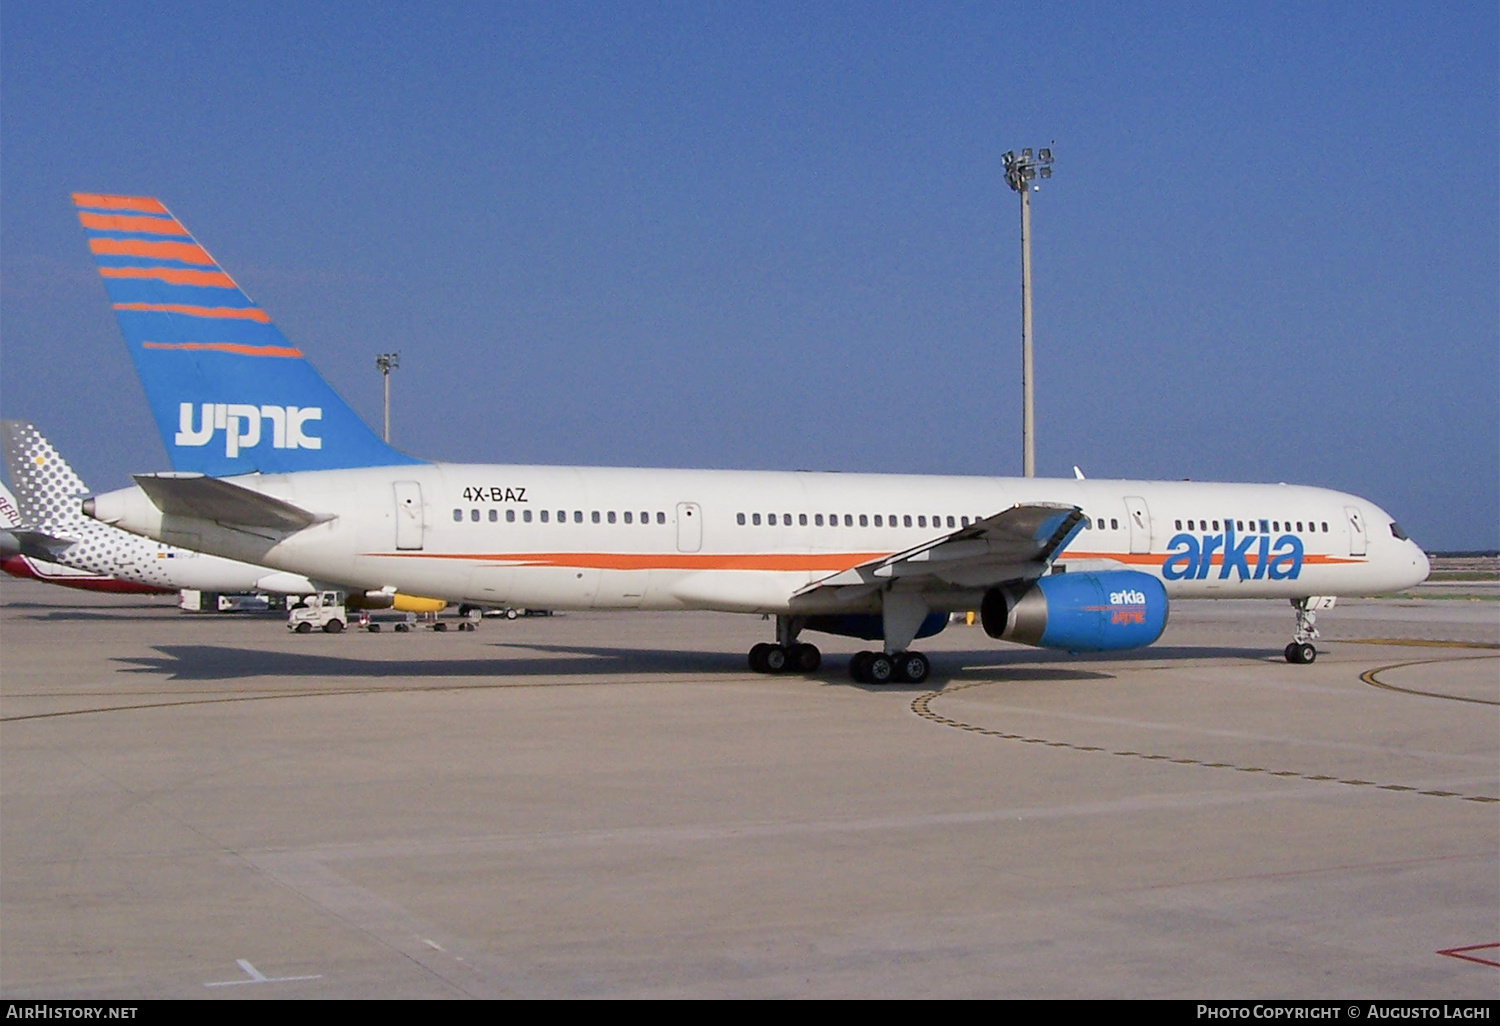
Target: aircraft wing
1016, 544
210, 498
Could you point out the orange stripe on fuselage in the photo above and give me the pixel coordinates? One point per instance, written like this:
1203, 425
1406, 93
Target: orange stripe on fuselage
240, 313
1216, 559
122, 223
228, 347
171, 275
140, 204
795, 562
186, 252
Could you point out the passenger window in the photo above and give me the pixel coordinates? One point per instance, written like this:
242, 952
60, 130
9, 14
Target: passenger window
849, 519
629, 517
864, 521
458, 516
611, 516
474, 515
594, 515
1179, 525
771, 519
877, 521
964, 521
510, 516
739, 518
801, 519
755, 519
950, 522
544, 516
661, 518
526, 515
1114, 525
1325, 527
817, 520
578, 516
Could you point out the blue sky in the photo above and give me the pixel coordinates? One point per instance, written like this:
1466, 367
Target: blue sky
777, 236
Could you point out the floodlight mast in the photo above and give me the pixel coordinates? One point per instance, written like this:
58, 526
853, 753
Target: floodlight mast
1020, 172
385, 363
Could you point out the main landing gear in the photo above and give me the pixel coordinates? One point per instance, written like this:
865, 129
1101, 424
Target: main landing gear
788, 655
1302, 649
902, 614
879, 668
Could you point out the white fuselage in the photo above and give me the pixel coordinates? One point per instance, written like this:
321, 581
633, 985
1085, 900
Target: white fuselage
603, 538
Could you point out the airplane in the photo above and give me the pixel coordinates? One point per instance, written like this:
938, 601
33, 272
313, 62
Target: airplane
272, 467
48, 502
18, 563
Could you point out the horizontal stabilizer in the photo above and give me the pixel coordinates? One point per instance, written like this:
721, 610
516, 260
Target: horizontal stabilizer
41, 545
210, 498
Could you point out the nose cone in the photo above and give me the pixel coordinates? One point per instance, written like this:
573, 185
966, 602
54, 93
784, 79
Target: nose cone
1421, 565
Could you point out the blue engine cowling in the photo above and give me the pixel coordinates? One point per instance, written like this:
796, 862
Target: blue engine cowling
1087, 612
869, 626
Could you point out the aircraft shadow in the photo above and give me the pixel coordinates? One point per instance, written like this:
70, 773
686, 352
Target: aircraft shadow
54, 614
206, 663
212, 663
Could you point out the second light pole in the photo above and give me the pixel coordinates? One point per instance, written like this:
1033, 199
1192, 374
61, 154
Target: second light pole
385, 363
1019, 174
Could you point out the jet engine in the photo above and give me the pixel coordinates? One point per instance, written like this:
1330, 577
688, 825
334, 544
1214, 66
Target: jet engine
1083, 612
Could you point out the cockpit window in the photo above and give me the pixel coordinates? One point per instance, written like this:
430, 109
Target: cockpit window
1397, 532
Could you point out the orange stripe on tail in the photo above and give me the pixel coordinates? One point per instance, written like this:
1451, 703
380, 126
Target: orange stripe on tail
228, 347
186, 252
140, 204
120, 223
239, 313
171, 275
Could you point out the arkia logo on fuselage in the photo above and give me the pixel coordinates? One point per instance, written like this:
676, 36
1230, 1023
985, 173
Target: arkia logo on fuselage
241, 424
1191, 558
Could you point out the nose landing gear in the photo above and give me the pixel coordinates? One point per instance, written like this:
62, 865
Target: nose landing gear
1302, 650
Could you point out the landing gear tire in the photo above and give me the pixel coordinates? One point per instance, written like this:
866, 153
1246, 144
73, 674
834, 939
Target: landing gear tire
1304, 652
758, 658
804, 658
858, 667
775, 659
912, 667
880, 669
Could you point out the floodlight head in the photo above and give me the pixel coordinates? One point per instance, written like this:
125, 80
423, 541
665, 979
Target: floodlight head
1047, 172
1045, 154
1009, 158
1026, 153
